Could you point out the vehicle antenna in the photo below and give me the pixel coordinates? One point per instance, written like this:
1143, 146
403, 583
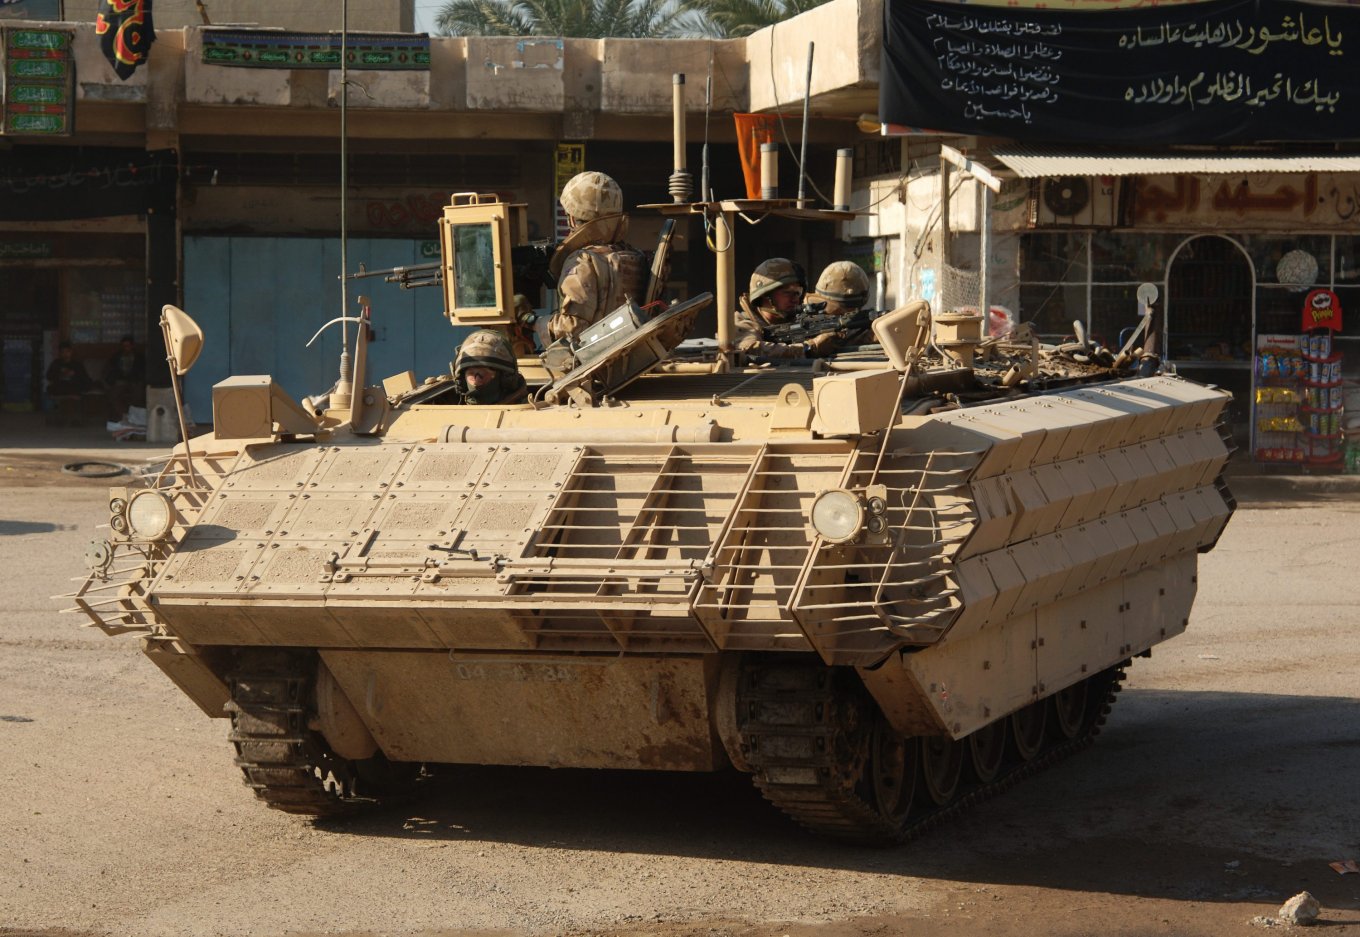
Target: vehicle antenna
681, 182
802, 150
705, 184
340, 398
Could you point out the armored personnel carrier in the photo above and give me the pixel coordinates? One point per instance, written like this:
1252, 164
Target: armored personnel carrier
882, 586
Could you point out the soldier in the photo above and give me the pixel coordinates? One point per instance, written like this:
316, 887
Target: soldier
773, 299
485, 370
600, 271
844, 288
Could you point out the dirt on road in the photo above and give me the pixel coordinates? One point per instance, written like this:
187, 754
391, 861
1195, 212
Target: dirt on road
93, 470
1223, 784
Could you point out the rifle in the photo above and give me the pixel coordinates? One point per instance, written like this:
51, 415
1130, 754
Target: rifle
811, 320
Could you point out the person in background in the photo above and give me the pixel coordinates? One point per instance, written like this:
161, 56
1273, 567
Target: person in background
774, 298
485, 370
125, 378
67, 377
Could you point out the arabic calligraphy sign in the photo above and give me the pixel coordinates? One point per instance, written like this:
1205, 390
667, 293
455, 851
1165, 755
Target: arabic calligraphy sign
38, 82
25, 250
282, 49
32, 10
1224, 71
1260, 201
40, 183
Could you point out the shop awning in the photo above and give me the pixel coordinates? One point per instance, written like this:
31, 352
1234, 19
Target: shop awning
1033, 162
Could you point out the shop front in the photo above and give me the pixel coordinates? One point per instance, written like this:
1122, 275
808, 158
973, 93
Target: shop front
83, 287
83, 257
1237, 260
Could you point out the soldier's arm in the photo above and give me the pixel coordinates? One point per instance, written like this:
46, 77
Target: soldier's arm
752, 345
751, 340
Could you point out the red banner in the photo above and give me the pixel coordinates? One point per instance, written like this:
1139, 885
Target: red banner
752, 131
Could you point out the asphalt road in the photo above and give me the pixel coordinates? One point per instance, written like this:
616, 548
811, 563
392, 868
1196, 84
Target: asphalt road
1224, 783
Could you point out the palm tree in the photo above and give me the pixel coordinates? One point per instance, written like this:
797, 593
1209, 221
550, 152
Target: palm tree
596, 19
733, 18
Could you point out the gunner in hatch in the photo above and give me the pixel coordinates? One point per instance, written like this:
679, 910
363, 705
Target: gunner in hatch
485, 370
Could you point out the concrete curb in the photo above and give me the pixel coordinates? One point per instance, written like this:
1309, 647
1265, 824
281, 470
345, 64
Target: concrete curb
1250, 488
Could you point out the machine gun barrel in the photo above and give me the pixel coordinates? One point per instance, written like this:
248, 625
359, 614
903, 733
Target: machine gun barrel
531, 270
430, 274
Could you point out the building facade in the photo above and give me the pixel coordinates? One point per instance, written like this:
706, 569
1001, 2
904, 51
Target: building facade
212, 178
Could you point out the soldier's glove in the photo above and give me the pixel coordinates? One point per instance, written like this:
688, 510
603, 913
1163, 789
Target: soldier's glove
819, 346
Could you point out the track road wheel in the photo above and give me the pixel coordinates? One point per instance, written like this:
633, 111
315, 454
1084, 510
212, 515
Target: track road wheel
893, 767
1027, 729
820, 750
941, 767
288, 765
987, 751
1069, 710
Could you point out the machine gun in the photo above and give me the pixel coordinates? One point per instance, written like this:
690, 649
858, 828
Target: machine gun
812, 320
529, 262
407, 278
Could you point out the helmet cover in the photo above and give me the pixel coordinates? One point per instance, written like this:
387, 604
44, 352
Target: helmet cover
770, 275
591, 195
844, 282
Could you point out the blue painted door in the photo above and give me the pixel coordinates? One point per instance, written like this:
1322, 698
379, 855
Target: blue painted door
259, 299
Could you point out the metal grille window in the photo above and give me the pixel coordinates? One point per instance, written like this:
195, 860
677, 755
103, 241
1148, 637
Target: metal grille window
1092, 276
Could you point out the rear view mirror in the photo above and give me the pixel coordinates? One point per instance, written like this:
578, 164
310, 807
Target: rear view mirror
183, 339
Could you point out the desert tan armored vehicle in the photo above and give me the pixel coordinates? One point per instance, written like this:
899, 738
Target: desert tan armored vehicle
882, 586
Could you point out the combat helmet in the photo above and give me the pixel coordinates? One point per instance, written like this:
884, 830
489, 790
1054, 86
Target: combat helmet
485, 348
845, 282
771, 275
591, 195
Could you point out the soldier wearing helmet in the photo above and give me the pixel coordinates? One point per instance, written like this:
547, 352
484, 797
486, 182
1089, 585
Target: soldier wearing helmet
598, 269
844, 288
774, 298
485, 370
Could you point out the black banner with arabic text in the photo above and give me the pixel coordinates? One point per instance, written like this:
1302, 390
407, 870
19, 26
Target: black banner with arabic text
1224, 71
42, 183
125, 32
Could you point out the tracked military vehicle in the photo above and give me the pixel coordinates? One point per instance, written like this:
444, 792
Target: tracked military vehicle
883, 586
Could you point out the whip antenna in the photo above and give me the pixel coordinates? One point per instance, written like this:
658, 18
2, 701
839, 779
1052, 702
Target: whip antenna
802, 150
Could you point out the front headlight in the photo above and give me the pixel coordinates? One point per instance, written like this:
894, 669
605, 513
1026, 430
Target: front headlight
837, 515
150, 515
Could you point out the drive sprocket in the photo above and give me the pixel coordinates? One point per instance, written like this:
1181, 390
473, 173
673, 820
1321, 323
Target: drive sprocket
289, 765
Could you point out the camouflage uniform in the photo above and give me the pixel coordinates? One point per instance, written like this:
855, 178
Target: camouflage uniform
751, 340
601, 271
486, 348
